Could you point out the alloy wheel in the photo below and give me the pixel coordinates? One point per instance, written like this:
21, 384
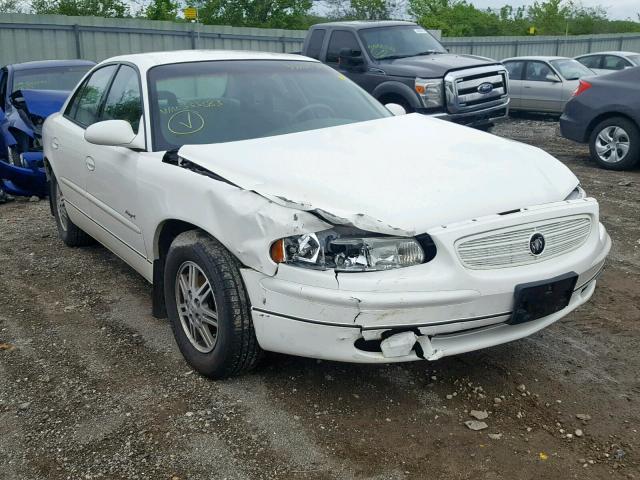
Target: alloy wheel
196, 306
63, 217
612, 144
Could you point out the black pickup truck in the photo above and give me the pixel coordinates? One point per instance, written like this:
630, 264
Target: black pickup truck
401, 62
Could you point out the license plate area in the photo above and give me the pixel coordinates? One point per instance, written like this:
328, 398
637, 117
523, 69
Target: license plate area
540, 299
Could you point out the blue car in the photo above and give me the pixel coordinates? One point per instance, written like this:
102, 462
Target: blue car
29, 93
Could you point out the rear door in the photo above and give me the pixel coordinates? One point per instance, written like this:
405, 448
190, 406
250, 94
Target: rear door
593, 62
615, 63
541, 88
515, 69
67, 143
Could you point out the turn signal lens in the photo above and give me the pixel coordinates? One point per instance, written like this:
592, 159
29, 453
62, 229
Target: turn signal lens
583, 86
277, 251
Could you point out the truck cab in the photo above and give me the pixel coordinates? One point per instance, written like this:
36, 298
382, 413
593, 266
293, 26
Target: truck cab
401, 62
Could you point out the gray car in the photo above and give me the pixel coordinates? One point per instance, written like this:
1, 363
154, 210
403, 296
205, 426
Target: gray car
605, 113
543, 84
609, 62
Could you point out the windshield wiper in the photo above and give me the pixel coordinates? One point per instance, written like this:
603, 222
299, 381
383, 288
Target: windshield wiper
393, 57
430, 52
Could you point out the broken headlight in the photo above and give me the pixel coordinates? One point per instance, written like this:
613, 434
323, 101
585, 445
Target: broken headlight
577, 194
348, 250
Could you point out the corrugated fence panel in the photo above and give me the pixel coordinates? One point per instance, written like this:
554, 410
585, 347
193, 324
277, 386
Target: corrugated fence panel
37, 37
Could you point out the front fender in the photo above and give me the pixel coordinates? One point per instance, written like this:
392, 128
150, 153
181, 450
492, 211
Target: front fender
398, 88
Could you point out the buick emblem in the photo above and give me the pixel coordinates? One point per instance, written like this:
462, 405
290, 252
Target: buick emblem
485, 88
536, 244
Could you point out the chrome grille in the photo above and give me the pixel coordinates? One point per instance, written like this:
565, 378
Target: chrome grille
509, 247
462, 88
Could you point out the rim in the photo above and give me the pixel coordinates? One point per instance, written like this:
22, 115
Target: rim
612, 144
62, 210
196, 306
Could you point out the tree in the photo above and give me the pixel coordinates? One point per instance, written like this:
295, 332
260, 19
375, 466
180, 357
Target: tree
162, 10
255, 13
11, 6
98, 8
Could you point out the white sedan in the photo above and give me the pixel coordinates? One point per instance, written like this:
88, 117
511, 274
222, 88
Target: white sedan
274, 205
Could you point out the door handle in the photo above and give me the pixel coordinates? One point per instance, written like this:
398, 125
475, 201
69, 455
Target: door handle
91, 164
54, 143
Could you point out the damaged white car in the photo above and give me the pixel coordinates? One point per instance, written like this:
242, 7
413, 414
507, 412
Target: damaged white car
275, 205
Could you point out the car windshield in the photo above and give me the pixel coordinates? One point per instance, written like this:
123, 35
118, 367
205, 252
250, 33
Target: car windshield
635, 59
571, 69
388, 43
225, 101
49, 78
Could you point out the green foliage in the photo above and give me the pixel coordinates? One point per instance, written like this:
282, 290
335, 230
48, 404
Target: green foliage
11, 6
549, 17
162, 10
255, 13
98, 8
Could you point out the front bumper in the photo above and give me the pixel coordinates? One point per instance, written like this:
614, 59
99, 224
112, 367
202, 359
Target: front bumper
339, 317
476, 117
25, 181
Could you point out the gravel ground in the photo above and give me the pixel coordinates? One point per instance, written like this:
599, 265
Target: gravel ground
92, 386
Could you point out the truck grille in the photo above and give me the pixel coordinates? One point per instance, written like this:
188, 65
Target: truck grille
476, 88
509, 247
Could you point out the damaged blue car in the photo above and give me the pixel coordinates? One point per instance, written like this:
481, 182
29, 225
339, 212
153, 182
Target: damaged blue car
29, 93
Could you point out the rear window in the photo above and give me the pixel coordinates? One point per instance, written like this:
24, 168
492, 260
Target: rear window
50, 78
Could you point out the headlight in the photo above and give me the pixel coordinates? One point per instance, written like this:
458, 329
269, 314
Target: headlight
577, 194
431, 92
348, 250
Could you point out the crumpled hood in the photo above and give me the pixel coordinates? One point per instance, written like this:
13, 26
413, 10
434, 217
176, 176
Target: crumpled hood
43, 102
433, 66
399, 175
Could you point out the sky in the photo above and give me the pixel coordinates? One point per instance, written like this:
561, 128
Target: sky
617, 9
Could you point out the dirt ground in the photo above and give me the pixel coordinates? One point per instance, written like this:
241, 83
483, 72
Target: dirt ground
93, 387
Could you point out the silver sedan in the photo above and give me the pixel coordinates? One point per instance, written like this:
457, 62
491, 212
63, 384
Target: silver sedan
543, 84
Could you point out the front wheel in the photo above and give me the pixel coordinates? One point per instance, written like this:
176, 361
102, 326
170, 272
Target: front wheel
208, 307
615, 144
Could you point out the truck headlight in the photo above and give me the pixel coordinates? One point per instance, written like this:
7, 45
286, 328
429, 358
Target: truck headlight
431, 92
348, 250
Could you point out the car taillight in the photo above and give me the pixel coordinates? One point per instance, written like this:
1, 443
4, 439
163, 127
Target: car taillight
583, 86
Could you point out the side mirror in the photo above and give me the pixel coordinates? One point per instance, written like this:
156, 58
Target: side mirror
551, 77
113, 133
351, 59
396, 109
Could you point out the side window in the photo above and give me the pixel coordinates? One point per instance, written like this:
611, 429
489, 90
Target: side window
123, 101
538, 72
611, 62
315, 44
515, 70
84, 108
591, 62
340, 39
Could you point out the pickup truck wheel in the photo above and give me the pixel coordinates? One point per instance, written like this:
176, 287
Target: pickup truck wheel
208, 307
615, 144
68, 231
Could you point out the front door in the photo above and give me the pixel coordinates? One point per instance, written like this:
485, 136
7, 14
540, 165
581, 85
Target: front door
112, 179
541, 88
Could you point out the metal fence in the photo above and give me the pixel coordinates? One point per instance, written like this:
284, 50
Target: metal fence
37, 37
565, 46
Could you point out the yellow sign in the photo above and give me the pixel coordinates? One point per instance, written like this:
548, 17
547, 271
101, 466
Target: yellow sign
532, 30
190, 13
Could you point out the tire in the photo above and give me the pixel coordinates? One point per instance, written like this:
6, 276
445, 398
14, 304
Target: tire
230, 347
621, 134
68, 231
